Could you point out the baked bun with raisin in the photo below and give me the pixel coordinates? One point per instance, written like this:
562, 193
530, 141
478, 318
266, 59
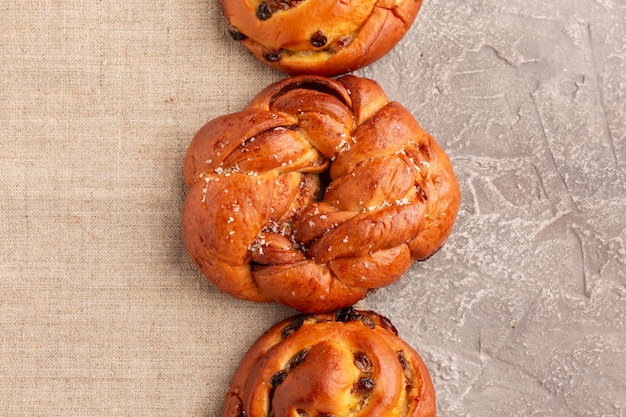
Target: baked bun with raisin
350, 363
323, 37
317, 192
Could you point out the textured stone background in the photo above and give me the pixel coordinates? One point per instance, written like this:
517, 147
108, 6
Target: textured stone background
522, 313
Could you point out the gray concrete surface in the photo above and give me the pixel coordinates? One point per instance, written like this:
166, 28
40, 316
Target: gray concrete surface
523, 313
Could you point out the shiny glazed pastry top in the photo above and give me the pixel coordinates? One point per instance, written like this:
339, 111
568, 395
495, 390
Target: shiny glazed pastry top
347, 364
318, 191
323, 37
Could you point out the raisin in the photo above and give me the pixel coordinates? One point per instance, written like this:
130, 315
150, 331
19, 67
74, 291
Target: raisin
280, 4
345, 314
278, 378
364, 386
367, 321
341, 43
264, 12
294, 325
401, 359
236, 35
318, 39
388, 325
362, 362
271, 56
299, 358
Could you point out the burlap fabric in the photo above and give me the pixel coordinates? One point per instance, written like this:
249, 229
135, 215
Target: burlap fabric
101, 313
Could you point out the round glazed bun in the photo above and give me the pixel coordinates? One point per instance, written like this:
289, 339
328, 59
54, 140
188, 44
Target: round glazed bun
323, 37
348, 363
318, 191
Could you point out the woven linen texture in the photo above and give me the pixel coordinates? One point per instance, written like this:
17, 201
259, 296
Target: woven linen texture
101, 312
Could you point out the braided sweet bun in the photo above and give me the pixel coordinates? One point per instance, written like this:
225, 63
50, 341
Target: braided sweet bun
351, 363
318, 191
323, 37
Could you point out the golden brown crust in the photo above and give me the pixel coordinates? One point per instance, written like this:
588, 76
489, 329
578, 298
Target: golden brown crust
347, 363
323, 37
317, 192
